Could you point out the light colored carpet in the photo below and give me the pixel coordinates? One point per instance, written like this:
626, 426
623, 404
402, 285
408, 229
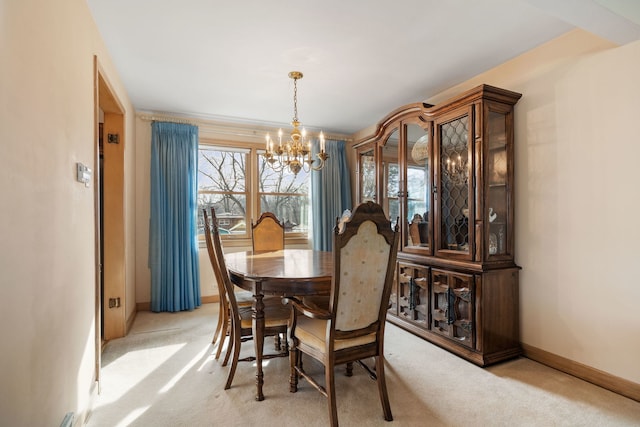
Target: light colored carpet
164, 374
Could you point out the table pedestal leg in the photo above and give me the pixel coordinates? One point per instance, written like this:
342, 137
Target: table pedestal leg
258, 339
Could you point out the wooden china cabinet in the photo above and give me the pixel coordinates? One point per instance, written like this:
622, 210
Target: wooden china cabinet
447, 172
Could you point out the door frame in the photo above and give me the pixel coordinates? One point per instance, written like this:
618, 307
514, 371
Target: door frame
111, 283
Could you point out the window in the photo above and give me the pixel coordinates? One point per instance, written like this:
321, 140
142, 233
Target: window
238, 184
392, 177
222, 184
416, 192
286, 195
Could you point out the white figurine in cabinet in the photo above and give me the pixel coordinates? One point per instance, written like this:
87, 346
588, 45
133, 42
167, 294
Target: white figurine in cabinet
492, 215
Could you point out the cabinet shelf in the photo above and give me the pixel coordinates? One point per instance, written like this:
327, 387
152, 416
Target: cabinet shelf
497, 146
498, 185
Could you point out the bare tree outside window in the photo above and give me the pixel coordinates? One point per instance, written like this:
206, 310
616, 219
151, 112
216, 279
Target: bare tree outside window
225, 182
286, 195
417, 192
393, 186
222, 185
368, 177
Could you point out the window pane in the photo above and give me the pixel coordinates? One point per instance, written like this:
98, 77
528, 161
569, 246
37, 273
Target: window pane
222, 186
391, 176
230, 211
393, 186
293, 211
367, 177
283, 181
221, 170
416, 185
286, 195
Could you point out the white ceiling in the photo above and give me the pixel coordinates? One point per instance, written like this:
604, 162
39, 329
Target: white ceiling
229, 60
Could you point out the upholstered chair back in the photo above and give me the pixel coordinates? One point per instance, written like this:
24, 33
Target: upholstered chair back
365, 254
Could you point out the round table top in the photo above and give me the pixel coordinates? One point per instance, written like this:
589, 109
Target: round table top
284, 264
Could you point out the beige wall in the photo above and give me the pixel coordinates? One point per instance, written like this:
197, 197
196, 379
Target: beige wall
47, 257
143, 201
577, 175
576, 195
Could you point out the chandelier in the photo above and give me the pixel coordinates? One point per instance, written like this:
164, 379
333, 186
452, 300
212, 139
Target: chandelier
457, 172
296, 152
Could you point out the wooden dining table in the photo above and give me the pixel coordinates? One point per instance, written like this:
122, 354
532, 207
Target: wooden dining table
287, 272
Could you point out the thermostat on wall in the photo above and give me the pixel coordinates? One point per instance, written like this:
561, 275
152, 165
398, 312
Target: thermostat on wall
84, 174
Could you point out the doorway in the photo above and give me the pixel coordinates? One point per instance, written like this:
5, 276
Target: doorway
109, 213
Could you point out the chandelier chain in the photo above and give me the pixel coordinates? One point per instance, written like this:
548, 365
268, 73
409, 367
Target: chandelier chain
295, 99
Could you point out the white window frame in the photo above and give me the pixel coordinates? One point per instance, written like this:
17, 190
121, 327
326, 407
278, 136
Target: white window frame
252, 193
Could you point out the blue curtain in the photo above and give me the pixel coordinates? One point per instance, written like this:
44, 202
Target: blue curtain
330, 193
173, 243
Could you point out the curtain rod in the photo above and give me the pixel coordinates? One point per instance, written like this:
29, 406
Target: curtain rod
162, 118
245, 130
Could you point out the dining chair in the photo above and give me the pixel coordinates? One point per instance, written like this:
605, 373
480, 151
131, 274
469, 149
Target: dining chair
352, 329
243, 298
322, 301
276, 314
267, 234
414, 231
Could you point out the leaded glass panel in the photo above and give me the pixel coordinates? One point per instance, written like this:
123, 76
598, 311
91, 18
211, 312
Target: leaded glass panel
454, 191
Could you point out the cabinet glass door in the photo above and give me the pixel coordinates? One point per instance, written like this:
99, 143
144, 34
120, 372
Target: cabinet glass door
452, 306
454, 232
367, 175
497, 205
413, 293
418, 194
391, 177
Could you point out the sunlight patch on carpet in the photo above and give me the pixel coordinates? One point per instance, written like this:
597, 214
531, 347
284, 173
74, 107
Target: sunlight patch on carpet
132, 368
184, 370
132, 416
